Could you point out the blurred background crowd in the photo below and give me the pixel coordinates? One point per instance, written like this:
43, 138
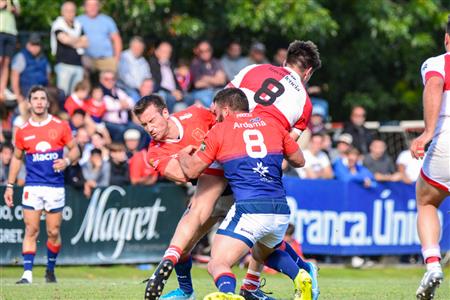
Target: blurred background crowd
94, 79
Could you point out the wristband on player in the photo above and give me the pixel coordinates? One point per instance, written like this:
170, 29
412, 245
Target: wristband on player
10, 185
68, 162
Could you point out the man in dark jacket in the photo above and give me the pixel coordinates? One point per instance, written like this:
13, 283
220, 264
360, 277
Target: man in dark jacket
163, 75
120, 174
360, 134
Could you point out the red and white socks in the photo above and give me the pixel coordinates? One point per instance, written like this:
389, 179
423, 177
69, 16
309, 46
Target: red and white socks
173, 253
432, 257
251, 281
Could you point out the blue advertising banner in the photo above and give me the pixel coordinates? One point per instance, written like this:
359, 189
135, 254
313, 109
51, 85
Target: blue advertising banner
336, 218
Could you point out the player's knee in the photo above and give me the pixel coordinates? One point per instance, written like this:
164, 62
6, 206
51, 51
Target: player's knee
31, 231
53, 233
212, 265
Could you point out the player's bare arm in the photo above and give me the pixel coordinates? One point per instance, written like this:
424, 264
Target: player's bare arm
16, 163
61, 164
432, 98
174, 172
296, 159
191, 165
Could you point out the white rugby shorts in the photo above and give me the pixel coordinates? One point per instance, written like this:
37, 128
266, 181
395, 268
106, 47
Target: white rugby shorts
436, 165
51, 199
262, 226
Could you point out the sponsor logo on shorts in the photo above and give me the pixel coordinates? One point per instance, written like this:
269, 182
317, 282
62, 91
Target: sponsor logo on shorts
246, 231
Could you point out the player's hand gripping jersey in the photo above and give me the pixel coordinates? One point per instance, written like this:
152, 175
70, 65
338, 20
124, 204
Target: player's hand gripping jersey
193, 123
277, 92
251, 149
43, 143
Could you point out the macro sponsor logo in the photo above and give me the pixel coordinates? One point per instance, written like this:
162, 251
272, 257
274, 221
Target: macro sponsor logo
101, 224
389, 226
186, 116
45, 156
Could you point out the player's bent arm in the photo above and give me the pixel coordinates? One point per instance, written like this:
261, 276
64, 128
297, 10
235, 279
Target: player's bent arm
74, 152
191, 165
432, 98
295, 159
174, 172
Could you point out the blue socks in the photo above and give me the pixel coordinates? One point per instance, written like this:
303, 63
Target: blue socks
282, 262
52, 253
28, 260
183, 270
226, 283
298, 260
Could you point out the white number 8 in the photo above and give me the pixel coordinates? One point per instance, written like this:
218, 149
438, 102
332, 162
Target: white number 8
254, 143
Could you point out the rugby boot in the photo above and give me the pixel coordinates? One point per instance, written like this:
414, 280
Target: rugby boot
178, 294
303, 286
50, 276
313, 272
430, 281
156, 283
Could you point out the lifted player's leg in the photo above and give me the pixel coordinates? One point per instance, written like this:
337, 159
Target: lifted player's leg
428, 200
194, 224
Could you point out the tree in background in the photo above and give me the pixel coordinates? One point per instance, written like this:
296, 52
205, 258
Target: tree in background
371, 50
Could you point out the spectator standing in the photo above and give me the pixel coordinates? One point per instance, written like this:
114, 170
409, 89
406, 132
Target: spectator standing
379, 163
233, 61
96, 172
8, 36
117, 103
140, 171
133, 68
317, 163
105, 43
29, 67
164, 79
257, 54
348, 169
360, 134
68, 44
120, 173
207, 74
132, 139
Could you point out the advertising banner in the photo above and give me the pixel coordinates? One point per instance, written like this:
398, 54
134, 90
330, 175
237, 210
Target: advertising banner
116, 225
336, 218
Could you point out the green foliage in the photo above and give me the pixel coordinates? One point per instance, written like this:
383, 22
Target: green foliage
371, 50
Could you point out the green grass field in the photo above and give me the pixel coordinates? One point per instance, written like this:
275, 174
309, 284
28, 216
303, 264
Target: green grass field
124, 282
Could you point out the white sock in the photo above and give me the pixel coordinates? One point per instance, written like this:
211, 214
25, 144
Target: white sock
434, 265
28, 275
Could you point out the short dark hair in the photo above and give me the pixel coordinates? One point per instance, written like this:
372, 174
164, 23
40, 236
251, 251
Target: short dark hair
234, 98
6, 145
146, 101
96, 151
303, 54
37, 88
79, 111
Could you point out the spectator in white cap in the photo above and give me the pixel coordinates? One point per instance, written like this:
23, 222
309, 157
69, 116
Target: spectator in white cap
343, 143
317, 121
132, 139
